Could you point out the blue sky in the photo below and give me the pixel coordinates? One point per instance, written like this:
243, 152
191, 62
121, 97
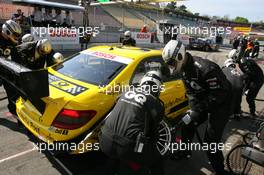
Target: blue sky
251, 9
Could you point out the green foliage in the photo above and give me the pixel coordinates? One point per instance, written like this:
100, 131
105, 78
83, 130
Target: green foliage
171, 6
240, 19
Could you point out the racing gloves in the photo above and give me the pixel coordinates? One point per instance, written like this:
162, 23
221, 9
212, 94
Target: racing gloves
190, 116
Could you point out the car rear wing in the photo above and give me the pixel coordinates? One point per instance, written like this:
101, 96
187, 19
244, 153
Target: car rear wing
30, 84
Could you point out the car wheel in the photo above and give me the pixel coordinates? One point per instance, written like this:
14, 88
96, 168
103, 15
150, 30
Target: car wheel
207, 48
164, 138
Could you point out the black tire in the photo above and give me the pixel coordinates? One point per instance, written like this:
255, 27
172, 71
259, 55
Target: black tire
248, 137
236, 164
206, 48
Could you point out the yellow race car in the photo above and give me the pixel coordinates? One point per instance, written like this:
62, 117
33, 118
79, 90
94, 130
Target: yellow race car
84, 88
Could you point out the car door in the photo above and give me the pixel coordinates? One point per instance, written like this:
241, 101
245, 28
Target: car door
173, 94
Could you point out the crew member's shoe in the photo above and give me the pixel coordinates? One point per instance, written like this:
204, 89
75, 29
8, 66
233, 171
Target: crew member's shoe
181, 155
237, 116
253, 114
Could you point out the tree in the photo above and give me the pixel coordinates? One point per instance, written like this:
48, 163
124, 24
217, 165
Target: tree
240, 19
171, 5
183, 8
226, 18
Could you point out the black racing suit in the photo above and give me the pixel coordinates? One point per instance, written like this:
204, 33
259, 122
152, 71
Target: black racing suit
237, 81
243, 47
28, 59
254, 80
236, 44
8, 50
255, 51
208, 92
129, 42
123, 126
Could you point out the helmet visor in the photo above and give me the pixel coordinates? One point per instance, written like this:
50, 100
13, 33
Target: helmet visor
172, 61
14, 38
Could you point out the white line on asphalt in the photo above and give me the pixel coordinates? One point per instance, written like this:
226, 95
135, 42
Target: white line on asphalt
205, 171
17, 155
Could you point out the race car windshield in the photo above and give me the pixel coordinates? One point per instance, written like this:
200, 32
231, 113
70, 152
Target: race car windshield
91, 69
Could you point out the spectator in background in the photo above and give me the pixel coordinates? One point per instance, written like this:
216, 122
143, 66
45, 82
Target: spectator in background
144, 29
18, 17
58, 17
68, 20
236, 42
48, 17
219, 39
243, 46
38, 16
249, 48
255, 51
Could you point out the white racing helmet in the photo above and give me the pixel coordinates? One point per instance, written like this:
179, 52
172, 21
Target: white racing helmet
127, 34
27, 38
58, 57
151, 79
44, 47
174, 54
12, 30
233, 54
229, 63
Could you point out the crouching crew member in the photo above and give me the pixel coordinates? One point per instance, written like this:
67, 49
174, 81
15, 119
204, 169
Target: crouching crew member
37, 54
254, 80
207, 90
130, 131
237, 81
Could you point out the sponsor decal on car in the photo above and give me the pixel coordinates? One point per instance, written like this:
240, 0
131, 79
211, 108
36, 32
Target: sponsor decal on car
109, 56
65, 85
59, 131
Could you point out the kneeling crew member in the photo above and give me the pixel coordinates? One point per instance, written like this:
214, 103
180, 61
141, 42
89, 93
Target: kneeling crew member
131, 130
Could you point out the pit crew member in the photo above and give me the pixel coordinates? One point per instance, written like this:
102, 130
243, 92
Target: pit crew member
207, 90
130, 132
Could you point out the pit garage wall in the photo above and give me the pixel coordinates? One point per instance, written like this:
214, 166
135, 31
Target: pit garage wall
106, 37
7, 9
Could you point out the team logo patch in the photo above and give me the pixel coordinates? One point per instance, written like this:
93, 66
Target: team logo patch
235, 73
65, 85
195, 86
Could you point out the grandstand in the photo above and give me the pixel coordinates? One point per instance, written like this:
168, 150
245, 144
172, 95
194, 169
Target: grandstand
124, 16
98, 17
133, 17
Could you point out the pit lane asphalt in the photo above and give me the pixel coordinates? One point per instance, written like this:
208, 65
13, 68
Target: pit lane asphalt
19, 155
